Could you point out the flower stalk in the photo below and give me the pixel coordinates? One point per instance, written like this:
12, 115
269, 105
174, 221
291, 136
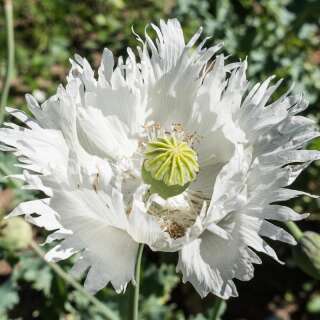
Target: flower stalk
218, 308
136, 293
10, 56
108, 313
294, 230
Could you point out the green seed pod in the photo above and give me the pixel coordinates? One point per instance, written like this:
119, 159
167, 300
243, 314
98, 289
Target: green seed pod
171, 161
15, 234
160, 187
307, 254
170, 166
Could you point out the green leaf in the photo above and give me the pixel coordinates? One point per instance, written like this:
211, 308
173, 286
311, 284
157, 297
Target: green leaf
8, 296
313, 305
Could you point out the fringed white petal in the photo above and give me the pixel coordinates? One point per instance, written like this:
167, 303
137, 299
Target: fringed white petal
109, 254
211, 262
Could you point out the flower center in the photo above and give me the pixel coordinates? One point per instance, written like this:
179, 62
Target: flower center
170, 165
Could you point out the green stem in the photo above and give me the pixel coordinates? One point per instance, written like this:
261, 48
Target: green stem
218, 308
10, 56
6, 172
294, 230
109, 314
135, 308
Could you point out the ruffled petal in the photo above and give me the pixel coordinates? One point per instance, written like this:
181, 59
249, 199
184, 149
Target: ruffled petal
172, 75
104, 136
143, 227
39, 150
211, 262
92, 224
109, 254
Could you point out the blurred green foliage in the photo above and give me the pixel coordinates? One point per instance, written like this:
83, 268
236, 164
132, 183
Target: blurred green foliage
280, 37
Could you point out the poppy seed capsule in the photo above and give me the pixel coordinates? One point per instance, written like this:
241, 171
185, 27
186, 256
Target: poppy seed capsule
15, 234
170, 166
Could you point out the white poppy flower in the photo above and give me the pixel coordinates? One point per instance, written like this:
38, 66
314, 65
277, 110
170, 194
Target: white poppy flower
173, 149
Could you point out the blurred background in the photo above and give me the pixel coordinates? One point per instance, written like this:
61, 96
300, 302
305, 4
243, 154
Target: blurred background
279, 37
